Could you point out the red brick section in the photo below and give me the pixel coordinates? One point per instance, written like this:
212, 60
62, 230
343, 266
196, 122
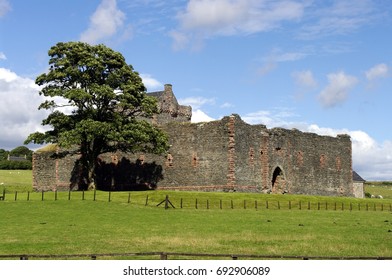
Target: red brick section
34, 163
231, 153
264, 161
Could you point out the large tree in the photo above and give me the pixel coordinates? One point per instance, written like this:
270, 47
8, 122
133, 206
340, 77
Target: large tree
107, 102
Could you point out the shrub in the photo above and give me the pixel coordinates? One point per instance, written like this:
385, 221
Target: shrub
13, 165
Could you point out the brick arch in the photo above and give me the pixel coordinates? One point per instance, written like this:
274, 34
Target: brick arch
278, 180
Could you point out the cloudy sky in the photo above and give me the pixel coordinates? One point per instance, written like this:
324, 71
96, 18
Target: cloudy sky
319, 66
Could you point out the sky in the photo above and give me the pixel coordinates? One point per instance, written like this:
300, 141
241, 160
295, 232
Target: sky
318, 66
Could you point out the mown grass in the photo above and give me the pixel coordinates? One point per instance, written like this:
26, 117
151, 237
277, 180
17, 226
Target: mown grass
66, 223
16, 180
86, 226
379, 188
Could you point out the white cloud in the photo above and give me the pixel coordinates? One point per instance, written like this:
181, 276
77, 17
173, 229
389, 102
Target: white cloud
199, 116
104, 23
305, 79
377, 71
197, 102
289, 56
204, 18
180, 40
150, 83
2, 56
337, 90
341, 17
372, 160
278, 117
227, 105
5, 7
266, 68
19, 115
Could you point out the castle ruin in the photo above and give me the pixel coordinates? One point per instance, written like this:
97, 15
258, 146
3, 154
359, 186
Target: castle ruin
222, 155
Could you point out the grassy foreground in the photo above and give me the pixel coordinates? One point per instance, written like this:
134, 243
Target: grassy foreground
79, 226
16, 180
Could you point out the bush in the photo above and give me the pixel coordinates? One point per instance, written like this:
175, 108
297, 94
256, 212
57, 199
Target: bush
13, 165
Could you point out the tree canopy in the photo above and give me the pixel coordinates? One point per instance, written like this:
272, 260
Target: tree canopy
98, 103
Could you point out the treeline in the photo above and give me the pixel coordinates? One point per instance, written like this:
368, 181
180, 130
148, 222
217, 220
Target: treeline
18, 158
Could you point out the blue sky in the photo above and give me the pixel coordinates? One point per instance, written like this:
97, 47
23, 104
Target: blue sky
319, 66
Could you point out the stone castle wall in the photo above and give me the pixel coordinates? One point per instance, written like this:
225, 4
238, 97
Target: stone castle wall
224, 155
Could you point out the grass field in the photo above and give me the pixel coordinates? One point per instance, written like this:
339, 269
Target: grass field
213, 223
16, 180
79, 226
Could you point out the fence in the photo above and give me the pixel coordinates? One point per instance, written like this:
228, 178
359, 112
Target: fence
197, 203
173, 255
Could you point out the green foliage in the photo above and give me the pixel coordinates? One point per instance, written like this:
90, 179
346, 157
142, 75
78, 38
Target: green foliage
108, 102
14, 165
3, 154
22, 151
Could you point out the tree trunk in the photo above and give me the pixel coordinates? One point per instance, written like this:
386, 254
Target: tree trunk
91, 175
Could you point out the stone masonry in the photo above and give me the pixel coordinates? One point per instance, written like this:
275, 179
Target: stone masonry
222, 155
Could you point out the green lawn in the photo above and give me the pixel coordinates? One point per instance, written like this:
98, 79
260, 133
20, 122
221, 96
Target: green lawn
379, 188
79, 226
213, 223
16, 180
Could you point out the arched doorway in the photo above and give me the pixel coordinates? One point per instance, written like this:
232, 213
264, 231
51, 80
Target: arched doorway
278, 181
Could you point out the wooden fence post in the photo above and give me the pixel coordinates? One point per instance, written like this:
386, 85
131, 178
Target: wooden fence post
55, 195
256, 205
220, 203
196, 203
266, 204
300, 205
110, 194
146, 201
16, 195
244, 204
278, 205
181, 203
69, 195
95, 194
232, 205
42, 195
28, 195
289, 204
